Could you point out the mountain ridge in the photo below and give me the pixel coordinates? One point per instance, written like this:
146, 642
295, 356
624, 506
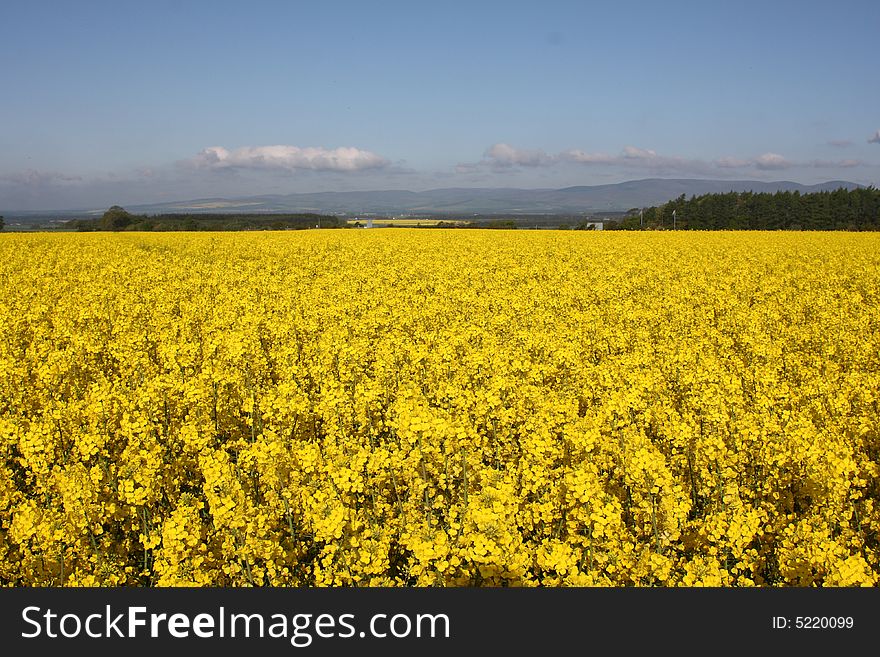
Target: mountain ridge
576, 199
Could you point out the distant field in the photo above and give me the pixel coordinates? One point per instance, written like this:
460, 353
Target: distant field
408, 223
405, 407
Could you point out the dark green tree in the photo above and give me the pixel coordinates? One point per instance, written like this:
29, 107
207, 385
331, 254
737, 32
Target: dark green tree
1, 222
116, 218
841, 209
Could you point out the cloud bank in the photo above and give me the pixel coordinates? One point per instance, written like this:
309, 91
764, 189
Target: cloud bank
501, 156
505, 155
772, 162
34, 178
288, 158
875, 138
255, 170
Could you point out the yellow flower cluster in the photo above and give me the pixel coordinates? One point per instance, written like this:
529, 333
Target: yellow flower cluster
440, 408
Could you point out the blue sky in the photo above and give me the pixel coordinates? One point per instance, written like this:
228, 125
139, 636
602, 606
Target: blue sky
136, 102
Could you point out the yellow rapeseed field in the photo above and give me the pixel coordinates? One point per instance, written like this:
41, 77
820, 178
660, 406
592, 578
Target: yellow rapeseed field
449, 408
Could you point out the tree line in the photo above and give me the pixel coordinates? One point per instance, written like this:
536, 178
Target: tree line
119, 219
841, 209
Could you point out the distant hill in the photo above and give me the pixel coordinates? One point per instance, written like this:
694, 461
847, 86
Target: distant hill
467, 200
464, 200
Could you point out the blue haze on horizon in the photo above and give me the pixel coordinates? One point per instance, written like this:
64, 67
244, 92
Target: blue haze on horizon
131, 102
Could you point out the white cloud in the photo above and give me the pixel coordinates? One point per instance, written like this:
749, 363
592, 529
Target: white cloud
638, 158
731, 163
501, 157
579, 156
835, 164
505, 155
875, 138
635, 158
288, 158
776, 162
467, 167
633, 153
765, 162
771, 162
